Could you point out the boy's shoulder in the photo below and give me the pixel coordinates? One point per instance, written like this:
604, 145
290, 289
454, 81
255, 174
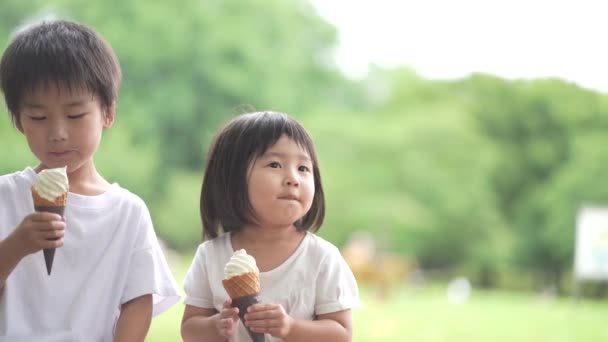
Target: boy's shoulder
125, 197
14, 180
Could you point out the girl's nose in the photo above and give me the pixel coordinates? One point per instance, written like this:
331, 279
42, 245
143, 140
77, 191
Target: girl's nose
291, 179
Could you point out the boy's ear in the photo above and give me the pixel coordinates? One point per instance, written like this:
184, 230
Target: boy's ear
18, 125
108, 115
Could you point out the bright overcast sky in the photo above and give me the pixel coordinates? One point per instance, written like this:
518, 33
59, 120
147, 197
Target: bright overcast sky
446, 39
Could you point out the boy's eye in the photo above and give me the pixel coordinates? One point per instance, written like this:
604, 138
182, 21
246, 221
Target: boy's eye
37, 118
274, 165
303, 168
76, 116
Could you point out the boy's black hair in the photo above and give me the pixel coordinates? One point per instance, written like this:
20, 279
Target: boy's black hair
224, 203
58, 53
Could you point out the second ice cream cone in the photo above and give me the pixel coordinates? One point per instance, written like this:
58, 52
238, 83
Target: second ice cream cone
49, 253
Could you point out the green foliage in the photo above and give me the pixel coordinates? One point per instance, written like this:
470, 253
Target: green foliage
480, 175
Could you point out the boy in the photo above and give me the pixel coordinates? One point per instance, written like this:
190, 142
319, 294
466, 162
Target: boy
60, 81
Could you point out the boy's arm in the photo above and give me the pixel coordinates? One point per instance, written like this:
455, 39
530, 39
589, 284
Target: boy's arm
134, 320
10, 255
35, 232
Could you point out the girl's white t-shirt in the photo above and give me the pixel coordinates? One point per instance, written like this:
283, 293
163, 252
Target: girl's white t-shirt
314, 280
110, 256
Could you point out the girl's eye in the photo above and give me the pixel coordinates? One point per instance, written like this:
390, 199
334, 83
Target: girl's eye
274, 165
37, 118
303, 168
76, 116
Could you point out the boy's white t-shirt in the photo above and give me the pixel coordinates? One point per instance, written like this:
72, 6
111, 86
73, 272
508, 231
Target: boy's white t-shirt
314, 280
110, 256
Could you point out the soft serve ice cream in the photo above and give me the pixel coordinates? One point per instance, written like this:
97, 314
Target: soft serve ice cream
50, 193
51, 187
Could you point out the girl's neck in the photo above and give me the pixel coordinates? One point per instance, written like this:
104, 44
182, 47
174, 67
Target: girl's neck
254, 235
269, 247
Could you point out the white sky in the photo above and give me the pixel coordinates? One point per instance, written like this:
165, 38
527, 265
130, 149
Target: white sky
452, 38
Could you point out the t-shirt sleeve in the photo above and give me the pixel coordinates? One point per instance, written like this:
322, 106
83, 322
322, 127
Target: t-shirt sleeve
196, 284
336, 285
148, 271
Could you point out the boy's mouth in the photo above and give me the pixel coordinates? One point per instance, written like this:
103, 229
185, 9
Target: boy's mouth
59, 153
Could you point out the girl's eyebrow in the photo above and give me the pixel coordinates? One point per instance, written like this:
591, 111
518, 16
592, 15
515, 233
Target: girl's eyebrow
300, 156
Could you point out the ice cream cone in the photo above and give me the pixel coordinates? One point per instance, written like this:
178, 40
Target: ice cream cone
244, 289
242, 283
243, 303
58, 207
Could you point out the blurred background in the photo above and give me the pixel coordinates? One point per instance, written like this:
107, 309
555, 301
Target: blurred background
458, 142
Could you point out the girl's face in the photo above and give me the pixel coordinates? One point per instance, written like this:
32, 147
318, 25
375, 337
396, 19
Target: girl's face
281, 184
63, 128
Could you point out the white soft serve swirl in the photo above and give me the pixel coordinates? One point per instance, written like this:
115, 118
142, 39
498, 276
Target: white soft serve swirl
50, 183
240, 263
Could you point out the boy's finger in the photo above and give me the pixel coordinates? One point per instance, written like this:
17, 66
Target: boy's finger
53, 243
44, 216
49, 226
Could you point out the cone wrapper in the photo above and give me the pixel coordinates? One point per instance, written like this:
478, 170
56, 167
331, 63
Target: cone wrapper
49, 253
243, 303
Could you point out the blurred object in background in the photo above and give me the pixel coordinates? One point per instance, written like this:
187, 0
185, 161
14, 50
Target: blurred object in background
385, 272
459, 290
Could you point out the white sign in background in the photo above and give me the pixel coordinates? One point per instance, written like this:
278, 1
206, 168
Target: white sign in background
591, 250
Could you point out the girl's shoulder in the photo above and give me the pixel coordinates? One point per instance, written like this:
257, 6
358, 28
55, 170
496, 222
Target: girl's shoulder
217, 246
319, 247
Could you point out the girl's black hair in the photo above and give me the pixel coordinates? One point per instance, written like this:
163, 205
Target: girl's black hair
224, 203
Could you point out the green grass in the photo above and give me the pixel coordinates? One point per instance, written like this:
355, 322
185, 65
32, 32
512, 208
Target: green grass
423, 314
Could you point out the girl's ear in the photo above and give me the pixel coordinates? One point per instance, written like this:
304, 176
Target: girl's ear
108, 115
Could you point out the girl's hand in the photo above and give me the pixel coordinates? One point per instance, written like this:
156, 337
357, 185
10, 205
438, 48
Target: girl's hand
269, 319
39, 230
226, 322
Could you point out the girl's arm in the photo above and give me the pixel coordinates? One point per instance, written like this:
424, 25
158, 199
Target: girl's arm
134, 320
200, 324
272, 319
332, 327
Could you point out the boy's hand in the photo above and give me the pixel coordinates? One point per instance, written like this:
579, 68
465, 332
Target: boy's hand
37, 231
269, 319
226, 322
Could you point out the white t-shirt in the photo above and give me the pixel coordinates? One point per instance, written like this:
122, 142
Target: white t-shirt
110, 256
314, 280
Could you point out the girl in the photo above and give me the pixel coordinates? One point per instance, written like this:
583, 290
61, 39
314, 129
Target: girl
262, 192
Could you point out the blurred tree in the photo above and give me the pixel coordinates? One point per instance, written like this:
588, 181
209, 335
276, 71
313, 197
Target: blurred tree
189, 66
535, 126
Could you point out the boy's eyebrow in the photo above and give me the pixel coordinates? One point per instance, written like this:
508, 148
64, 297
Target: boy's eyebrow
283, 155
76, 103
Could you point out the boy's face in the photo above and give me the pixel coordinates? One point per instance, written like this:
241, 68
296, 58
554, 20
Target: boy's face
63, 127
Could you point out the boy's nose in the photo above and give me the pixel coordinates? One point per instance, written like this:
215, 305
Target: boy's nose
58, 132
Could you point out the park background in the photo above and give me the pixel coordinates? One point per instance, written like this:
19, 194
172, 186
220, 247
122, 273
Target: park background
453, 199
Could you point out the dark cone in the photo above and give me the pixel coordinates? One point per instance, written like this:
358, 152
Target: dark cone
243, 303
49, 253
49, 256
